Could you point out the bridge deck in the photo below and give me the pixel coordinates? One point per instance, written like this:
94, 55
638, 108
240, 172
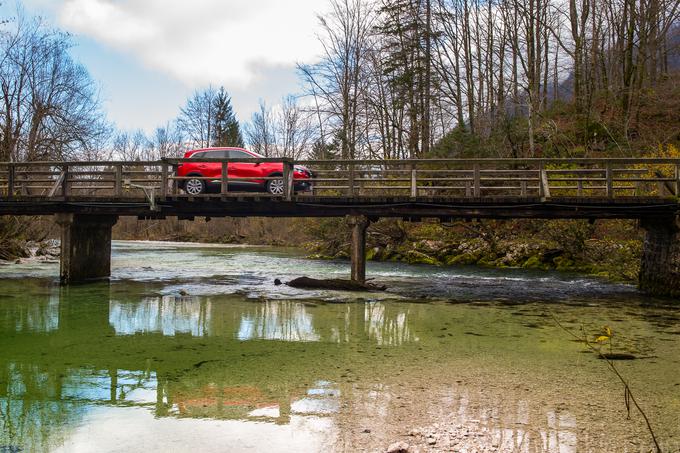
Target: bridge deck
313, 206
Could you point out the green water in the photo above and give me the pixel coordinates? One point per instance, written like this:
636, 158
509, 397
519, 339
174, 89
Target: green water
239, 364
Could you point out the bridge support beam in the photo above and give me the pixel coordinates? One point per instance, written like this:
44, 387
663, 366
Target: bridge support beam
85, 247
358, 223
660, 267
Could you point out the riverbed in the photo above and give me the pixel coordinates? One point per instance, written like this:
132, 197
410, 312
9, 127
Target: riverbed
191, 347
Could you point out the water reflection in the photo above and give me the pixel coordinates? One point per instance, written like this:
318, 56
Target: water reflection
282, 320
278, 320
168, 315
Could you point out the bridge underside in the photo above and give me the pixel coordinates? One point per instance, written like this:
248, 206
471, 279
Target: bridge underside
373, 207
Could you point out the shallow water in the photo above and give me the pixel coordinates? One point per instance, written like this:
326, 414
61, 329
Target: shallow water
240, 364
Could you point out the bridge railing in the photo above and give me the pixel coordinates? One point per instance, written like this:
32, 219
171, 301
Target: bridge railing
435, 178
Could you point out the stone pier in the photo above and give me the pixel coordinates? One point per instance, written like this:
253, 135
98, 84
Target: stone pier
85, 247
660, 267
358, 248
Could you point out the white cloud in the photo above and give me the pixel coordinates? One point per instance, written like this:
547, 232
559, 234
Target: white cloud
199, 42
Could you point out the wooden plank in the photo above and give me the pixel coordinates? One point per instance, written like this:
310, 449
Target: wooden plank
118, 169
287, 180
65, 182
545, 186
11, 175
350, 184
164, 179
414, 181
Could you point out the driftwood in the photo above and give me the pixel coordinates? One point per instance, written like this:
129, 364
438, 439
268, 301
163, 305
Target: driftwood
333, 283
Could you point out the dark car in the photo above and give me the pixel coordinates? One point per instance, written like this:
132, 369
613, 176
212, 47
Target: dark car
252, 172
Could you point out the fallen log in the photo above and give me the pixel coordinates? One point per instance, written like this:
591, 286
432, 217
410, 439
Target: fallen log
333, 283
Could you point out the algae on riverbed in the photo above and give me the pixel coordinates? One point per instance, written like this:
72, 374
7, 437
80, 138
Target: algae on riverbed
240, 356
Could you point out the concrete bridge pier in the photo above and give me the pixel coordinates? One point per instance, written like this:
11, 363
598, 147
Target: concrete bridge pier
85, 247
358, 223
660, 267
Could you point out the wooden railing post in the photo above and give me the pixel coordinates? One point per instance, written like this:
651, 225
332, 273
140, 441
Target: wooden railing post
543, 182
224, 181
676, 183
477, 181
288, 174
414, 181
65, 183
350, 181
610, 181
164, 178
118, 169
11, 174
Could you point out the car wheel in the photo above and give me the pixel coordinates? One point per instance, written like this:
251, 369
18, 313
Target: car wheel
275, 186
194, 186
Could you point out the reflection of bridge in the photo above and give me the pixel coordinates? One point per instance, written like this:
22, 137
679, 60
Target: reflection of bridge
88, 197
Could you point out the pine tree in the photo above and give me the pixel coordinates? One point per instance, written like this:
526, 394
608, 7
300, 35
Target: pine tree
226, 130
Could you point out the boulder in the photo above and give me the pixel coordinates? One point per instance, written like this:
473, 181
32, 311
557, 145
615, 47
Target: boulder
333, 283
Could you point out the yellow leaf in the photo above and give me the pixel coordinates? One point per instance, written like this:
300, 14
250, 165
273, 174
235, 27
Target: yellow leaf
608, 330
601, 338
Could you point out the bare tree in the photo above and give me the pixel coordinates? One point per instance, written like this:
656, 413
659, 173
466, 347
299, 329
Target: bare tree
260, 132
197, 117
49, 105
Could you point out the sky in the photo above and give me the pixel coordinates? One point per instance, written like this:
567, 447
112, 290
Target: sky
148, 56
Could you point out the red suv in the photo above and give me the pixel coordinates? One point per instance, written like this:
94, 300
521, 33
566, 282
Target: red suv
301, 175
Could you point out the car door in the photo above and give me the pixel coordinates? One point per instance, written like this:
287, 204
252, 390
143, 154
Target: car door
242, 169
213, 169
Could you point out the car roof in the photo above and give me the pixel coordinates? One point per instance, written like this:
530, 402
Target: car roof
215, 148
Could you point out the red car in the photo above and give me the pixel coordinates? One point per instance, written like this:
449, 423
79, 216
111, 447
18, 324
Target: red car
301, 175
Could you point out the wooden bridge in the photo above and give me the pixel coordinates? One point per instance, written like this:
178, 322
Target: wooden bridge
88, 197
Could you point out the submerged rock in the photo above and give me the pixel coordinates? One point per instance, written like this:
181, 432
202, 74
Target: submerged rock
617, 356
398, 447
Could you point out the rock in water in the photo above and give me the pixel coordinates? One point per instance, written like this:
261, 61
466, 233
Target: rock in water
398, 447
183, 293
333, 283
277, 282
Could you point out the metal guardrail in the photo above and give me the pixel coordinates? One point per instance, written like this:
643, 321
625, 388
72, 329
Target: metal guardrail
440, 178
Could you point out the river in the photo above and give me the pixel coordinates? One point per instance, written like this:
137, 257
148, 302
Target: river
191, 347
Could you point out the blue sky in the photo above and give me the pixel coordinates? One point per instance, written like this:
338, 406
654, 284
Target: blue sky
149, 56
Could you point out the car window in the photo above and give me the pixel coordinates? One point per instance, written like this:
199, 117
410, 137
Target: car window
216, 155
235, 154
198, 155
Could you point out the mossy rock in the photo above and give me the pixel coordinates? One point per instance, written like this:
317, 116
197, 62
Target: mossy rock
535, 262
564, 263
341, 255
319, 256
414, 257
463, 258
373, 254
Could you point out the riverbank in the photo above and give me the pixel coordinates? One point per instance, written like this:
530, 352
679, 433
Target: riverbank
609, 249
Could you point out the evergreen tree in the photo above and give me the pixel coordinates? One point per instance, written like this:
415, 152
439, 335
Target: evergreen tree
226, 130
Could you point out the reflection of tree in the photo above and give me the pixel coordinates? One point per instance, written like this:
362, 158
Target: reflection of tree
278, 320
34, 417
168, 314
42, 315
387, 325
